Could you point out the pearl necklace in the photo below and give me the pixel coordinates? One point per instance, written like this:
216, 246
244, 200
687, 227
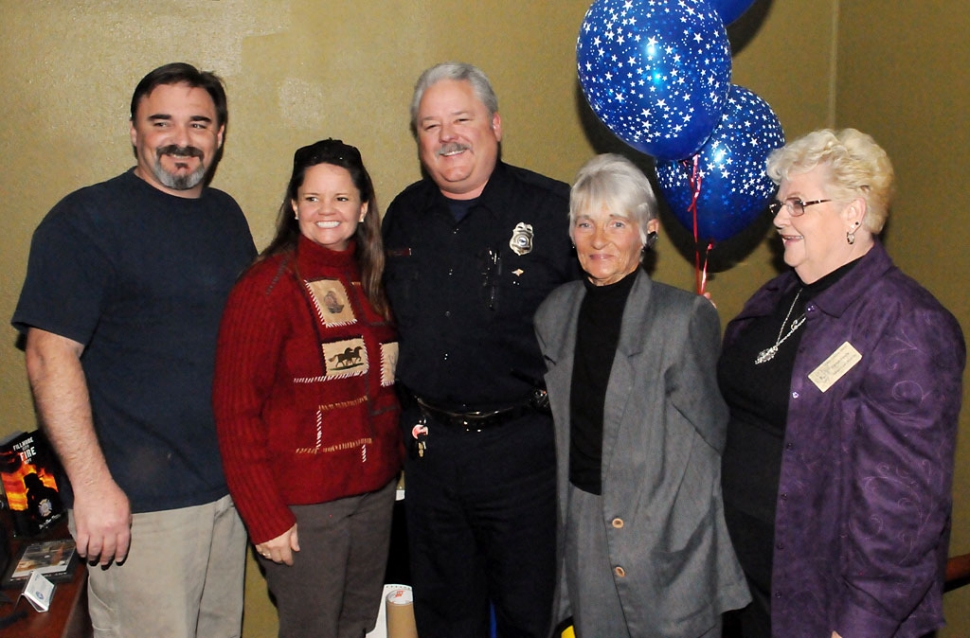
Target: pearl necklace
769, 353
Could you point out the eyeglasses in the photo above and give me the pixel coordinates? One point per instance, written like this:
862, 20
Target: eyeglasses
795, 206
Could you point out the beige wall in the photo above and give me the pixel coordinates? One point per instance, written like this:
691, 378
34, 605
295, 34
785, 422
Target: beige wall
299, 70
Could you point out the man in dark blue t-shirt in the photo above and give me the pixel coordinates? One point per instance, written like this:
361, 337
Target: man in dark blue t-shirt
125, 287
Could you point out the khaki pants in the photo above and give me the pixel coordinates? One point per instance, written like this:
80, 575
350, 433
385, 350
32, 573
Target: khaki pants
183, 577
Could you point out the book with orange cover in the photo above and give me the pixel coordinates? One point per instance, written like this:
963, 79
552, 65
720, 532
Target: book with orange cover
28, 470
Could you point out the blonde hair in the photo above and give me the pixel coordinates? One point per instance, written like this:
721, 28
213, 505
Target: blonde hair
858, 167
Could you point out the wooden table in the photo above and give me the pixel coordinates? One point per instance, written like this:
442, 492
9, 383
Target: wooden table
68, 613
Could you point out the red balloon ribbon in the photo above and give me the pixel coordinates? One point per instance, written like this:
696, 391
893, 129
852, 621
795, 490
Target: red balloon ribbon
694, 179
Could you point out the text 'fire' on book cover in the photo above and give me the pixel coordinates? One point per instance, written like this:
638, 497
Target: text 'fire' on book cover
27, 467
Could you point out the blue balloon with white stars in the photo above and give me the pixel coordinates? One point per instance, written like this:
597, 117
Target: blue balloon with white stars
730, 10
656, 72
734, 187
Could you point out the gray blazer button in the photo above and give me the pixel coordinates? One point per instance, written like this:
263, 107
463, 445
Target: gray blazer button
618, 523
620, 572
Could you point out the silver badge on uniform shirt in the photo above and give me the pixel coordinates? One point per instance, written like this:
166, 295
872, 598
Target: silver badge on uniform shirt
521, 242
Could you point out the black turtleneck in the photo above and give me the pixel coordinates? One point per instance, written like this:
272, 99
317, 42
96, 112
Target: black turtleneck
758, 397
597, 336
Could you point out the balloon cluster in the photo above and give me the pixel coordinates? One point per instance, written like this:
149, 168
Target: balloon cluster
658, 78
734, 187
658, 74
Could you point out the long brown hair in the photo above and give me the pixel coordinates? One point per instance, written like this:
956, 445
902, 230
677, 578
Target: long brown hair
370, 247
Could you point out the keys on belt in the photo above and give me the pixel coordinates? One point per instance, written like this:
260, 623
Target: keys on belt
475, 421
420, 434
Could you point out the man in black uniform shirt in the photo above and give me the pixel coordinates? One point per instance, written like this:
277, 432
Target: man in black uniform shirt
473, 249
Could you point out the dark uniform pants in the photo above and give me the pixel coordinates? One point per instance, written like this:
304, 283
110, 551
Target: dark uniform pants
481, 512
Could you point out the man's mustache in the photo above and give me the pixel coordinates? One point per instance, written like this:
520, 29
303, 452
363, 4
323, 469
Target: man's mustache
452, 147
179, 151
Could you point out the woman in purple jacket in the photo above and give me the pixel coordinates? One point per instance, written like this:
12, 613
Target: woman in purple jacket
843, 377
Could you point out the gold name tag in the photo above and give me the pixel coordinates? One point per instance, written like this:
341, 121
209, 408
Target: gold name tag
835, 367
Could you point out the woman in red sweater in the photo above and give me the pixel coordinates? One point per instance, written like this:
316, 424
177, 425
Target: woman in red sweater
304, 399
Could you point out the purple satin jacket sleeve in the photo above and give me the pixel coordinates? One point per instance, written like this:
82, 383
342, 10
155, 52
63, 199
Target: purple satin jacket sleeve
862, 523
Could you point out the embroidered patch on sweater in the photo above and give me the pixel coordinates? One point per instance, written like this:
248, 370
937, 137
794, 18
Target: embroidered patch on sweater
339, 447
345, 358
388, 363
331, 302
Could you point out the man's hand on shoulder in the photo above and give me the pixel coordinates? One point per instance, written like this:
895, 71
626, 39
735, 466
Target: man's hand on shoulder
102, 518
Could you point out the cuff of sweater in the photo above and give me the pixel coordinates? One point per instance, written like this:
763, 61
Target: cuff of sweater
268, 523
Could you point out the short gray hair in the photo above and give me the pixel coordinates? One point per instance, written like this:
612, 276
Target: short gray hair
614, 182
458, 71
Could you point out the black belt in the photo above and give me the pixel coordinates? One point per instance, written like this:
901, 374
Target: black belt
475, 421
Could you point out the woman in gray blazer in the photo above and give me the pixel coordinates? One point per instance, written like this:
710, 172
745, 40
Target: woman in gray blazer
643, 550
